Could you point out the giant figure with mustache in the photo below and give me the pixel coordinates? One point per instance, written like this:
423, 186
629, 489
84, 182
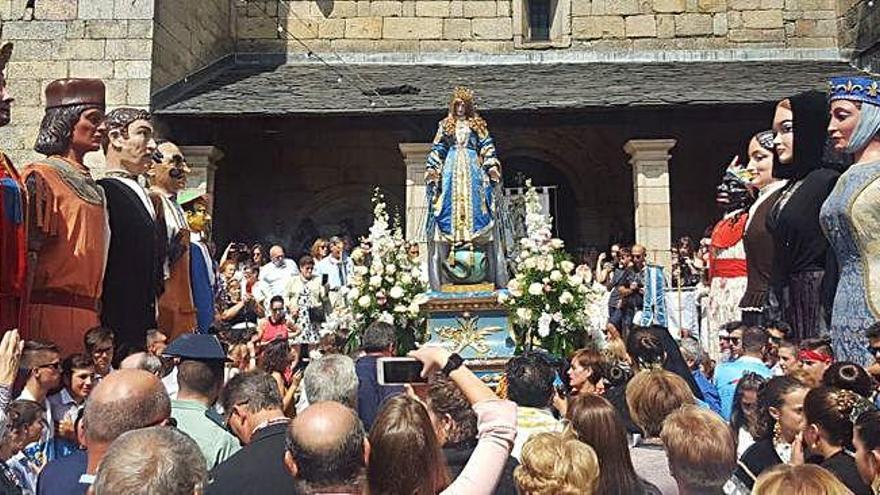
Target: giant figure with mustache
168, 173
68, 233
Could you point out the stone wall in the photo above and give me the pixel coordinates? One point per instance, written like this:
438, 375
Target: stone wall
189, 36
106, 39
489, 26
859, 32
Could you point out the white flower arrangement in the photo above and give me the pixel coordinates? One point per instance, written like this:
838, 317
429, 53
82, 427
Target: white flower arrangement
550, 303
387, 284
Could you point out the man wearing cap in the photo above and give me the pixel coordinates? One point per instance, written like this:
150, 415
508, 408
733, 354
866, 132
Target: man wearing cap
203, 271
68, 233
177, 314
132, 280
200, 378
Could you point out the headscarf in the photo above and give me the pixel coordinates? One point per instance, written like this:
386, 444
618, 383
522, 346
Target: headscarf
810, 117
863, 90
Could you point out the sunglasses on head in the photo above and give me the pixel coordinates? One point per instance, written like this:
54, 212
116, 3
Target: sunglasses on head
176, 159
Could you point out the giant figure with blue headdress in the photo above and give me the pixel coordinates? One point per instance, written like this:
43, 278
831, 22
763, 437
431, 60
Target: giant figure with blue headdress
851, 214
467, 226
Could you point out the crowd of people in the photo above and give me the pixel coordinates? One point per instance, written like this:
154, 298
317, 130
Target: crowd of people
133, 362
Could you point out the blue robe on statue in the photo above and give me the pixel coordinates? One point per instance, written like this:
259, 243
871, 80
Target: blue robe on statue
462, 210
202, 280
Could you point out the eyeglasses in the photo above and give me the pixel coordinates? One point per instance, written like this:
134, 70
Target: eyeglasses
231, 412
875, 351
56, 365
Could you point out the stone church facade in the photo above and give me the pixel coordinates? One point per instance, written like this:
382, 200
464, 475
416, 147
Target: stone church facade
293, 111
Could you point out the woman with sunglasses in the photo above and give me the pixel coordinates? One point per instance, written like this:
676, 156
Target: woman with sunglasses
320, 249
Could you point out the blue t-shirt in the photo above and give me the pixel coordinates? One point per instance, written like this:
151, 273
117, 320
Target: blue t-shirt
371, 395
710, 393
62, 476
728, 375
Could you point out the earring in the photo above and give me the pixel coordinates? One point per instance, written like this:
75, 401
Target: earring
777, 433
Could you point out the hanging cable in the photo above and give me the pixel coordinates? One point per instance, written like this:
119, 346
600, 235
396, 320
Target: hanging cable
340, 76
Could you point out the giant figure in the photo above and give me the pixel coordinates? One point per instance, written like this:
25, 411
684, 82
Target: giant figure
132, 280
850, 216
802, 278
13, 232
68, 233
466, 226
203, 272
177, 313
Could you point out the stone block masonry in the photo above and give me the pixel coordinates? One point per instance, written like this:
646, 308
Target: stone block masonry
106, 39
490, 26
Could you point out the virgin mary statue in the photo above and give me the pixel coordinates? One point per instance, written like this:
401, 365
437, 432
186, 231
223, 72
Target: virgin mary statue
467, 224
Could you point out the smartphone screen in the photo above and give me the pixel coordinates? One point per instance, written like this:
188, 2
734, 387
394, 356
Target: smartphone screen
396, 371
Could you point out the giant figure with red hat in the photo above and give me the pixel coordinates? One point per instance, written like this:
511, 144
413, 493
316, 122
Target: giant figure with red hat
68, 232
13, 236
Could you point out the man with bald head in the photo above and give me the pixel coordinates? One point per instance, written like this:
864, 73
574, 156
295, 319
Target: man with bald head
276, 274
327, 449
125, 400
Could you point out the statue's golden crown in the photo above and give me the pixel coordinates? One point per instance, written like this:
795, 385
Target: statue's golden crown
464, 94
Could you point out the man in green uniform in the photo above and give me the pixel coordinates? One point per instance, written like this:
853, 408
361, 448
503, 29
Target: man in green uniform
200, 378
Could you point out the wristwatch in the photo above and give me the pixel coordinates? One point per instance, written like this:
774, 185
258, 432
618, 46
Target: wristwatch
453, 363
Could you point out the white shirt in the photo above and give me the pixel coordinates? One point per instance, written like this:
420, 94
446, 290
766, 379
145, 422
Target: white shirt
275, 278
170, 383
330, 266
141, 193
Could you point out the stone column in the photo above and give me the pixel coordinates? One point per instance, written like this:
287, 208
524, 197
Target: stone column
414, 155
202, 160
653, 215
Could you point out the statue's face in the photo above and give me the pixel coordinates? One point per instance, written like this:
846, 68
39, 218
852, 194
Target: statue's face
135, 146
845, 116
5, 102
88, 132
170, 171
199, 220
783, 128
459, 108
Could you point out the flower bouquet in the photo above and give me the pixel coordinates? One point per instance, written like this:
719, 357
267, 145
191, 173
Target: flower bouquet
387, 284
549, 303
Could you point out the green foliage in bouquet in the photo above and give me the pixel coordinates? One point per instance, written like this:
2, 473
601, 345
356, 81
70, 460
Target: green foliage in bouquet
549, 302
387, 284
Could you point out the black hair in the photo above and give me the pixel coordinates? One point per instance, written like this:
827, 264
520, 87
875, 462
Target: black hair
749, 382
529, 380
56, 129
849, 376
